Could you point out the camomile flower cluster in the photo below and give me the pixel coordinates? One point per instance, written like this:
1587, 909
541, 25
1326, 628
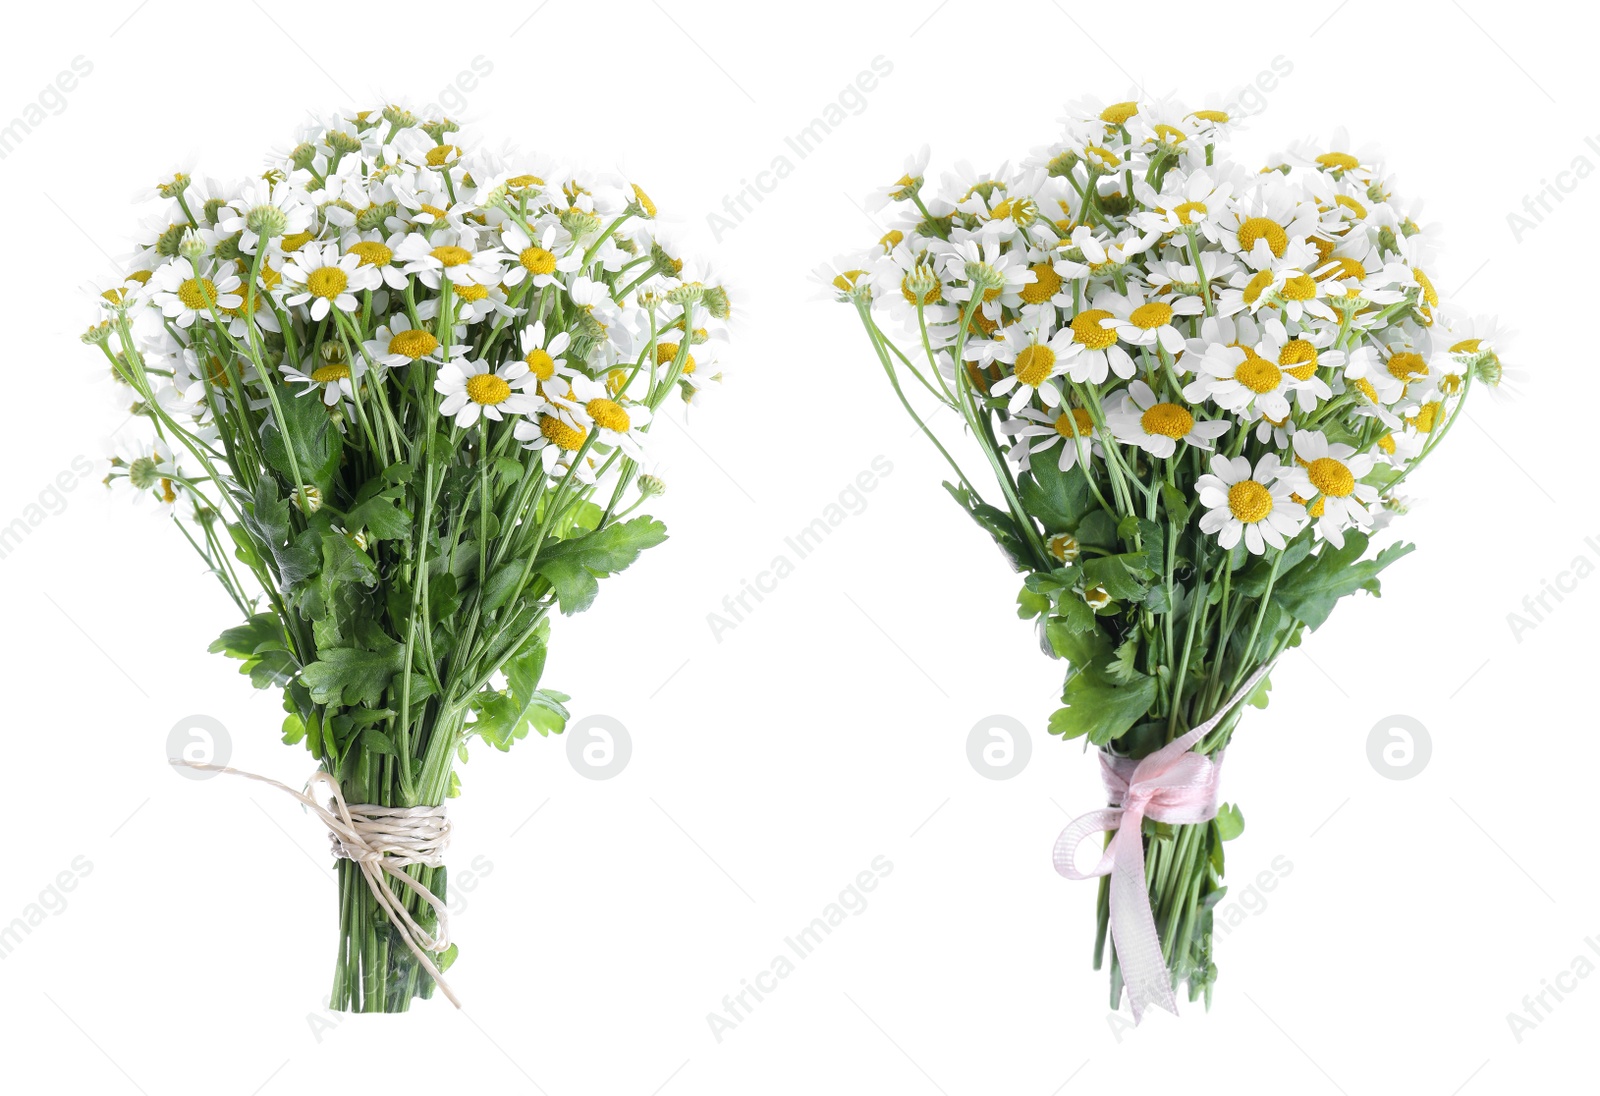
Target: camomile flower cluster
1196, 386
381, 267
1133, 303
396, 393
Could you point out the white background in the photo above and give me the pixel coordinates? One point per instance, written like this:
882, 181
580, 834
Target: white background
830, 726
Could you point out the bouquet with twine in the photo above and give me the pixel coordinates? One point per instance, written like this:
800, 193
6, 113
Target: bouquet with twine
398, 394
1198, 389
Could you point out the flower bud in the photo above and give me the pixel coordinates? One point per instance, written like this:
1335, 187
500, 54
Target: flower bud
308, 499
191, 246
651, 485
266, 221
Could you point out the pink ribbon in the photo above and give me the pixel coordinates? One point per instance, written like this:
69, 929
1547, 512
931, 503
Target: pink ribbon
1172, 785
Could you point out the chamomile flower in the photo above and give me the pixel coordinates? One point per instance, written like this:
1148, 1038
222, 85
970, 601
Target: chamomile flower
1094, 333
320, 276
1156, 425
448, 257
620, 422
557, 435
398, 343
1036, 431
184, 294
1239, 379
1033, 366
471, 389
378, 255
333, 374
542, 351
1150, 321
1327, 475
545, 261
1254, 505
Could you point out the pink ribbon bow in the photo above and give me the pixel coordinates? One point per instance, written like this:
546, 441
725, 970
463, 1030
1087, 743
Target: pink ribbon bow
1172, 785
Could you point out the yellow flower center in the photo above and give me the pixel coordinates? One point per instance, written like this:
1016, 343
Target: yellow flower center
338, 371
845, 282
1299, 359
608, 415
1257, 286
1331, 477
414, 344
562, 435
327, 282
1118, 113
1261, 228
932, 296
1075, 424
892, 239
1338, 161
1034, 364
1343, 268
1106, 157
1218, 116
1301, 287
488, 389
372, 253
1407, 366
294, 241
644, 201
433, 211
1249, 501
1429, 295
1047, 284
540, 364
1258, 374
1150, 316
536, 260
1466, 346
451, 255
197, 293
1386, 443
1364, 386
1427, 416
1355, 208
1168, 420
1189, 212
1086, 329
524, 180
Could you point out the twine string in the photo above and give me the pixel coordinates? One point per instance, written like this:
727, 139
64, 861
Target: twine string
380, 841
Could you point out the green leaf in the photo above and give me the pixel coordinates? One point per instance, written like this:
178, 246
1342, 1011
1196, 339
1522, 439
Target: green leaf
383, 516
1118, 574
1100, 709
262, 632
1229, 822
573, 566
504, 717
1058, 499
1310, 591
997, 523
350, 676
317, 442
377, 740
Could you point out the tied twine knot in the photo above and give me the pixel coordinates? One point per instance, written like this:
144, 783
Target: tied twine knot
1173, 785
380, 841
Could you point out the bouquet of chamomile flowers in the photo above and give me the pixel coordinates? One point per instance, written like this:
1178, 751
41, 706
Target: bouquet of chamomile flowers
398, 395
1198, 389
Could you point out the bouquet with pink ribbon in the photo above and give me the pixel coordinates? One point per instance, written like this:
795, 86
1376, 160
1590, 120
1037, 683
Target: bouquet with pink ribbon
1197, 388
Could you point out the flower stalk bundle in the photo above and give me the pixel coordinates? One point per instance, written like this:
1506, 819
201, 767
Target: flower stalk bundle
397, 394
1197, 389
